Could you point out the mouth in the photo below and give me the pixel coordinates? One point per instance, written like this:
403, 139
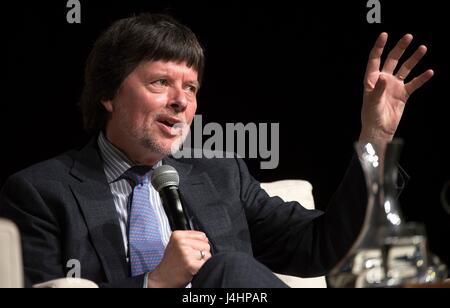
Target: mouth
168, 121
172, 125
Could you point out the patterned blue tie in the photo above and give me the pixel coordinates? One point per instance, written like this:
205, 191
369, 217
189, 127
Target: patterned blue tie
145, 245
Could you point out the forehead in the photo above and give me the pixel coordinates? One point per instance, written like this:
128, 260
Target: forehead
170, 68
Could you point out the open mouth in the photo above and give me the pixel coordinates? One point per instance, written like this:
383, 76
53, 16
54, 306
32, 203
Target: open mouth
167, 123
172, 125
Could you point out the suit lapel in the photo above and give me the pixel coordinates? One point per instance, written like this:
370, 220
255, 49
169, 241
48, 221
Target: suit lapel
92, 192
204, 206
94, 197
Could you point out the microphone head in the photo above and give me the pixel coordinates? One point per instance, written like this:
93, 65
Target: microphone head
164, 176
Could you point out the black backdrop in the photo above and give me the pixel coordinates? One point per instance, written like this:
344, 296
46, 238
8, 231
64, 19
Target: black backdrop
297, 64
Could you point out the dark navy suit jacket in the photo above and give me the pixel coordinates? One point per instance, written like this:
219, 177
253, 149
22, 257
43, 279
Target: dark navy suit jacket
65, 210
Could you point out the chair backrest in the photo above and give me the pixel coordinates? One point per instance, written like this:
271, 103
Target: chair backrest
11, 269
300, 191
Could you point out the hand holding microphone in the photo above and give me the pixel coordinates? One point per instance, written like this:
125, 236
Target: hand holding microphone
187, 250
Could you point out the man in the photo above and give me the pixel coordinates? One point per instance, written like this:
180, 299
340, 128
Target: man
96, 205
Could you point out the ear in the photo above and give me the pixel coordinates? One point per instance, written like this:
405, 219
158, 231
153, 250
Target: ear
108, 104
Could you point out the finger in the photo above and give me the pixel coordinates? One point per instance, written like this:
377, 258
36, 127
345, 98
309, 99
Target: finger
394, 56
409, 65
202, 255
206, 256
373, 65
194, 264
419, 81
200, 246
196, 260
198, 235
380, 86
188, 244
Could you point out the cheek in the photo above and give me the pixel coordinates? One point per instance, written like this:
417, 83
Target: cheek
155, 100
146, 105
190, 112
151, 101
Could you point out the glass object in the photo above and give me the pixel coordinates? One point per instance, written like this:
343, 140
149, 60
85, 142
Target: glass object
388, 252
445, 197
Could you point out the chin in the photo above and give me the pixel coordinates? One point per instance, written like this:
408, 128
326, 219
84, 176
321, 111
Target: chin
160, 143
166, 148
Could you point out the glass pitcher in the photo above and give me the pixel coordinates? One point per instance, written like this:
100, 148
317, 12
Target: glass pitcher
388, 252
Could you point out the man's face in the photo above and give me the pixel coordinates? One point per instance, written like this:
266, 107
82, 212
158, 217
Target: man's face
156, 96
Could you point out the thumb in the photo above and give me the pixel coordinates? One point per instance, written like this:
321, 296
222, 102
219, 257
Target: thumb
380, 85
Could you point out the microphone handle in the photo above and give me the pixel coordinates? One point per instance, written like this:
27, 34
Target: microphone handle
173, 207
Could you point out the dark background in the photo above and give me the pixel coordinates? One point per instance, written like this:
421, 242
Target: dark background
300, 65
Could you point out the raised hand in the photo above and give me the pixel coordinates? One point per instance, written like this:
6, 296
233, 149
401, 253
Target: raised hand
386, 92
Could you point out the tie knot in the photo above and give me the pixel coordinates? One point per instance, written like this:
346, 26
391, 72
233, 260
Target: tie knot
138, 174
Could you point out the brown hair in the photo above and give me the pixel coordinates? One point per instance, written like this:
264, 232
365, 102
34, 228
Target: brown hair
122, 47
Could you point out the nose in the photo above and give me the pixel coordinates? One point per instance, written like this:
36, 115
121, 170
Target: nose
178, 100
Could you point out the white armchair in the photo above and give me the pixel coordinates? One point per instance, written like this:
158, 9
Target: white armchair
64, 283
11, 272
11, 266
301, 191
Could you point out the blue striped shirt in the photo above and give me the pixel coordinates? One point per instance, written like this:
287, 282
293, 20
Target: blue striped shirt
115, 163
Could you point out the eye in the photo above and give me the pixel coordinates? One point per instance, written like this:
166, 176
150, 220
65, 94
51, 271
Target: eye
191, 88
161, 82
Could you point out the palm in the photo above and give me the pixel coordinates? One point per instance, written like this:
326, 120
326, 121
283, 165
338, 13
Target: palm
387, 110
386, 94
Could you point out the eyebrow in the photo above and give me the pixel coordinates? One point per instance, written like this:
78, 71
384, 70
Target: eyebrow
195, 83
167, 75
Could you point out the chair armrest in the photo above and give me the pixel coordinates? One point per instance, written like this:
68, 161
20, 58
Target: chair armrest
300, 191
11, 268
76, 283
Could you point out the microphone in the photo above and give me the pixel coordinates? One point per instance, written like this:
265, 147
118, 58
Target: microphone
165, 180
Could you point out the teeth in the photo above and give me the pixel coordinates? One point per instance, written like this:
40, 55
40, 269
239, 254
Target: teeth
167, 123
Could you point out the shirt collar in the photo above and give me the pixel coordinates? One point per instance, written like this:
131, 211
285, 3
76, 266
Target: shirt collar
115, 162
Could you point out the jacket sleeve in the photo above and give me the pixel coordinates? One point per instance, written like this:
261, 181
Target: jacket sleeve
41, 234
292, 240
39, 230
